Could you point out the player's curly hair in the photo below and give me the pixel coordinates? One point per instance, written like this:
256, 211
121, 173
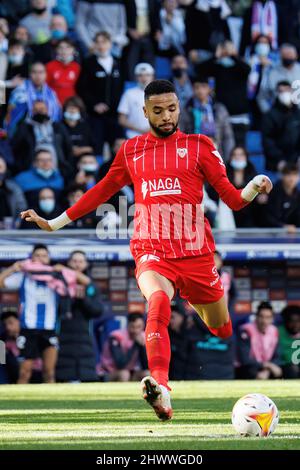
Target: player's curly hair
158, 87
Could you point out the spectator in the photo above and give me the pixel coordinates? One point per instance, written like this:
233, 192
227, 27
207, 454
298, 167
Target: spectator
287, 71
76, 357
47, 206
173, 37
130, 109
181, 80
257, 346
212, 16
240, 171
102, 15
39, 296
42, 175
88, 170
38, 22
261, 67
77, 127
12, 200
261, 18
100, 86
46, 52
11, 331
289, 333
231, 76
144, 30
283, 209
124, 353
63, 72
74, 193
280, 131
202, 115
24, 96
39, 131
21, 33
179, 344
16, 67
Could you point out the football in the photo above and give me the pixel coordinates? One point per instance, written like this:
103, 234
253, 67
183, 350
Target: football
255, 415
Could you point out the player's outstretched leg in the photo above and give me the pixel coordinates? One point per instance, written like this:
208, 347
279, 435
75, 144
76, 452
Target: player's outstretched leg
158, 291
216, 317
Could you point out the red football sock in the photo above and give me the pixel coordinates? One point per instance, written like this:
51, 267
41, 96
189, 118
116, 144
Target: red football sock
224, 331
157, 337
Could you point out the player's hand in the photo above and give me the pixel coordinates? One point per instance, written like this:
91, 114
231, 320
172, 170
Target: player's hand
265, 187
17, 267
31, 216
58, 267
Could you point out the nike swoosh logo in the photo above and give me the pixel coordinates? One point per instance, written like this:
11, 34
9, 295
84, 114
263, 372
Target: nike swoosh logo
137, 158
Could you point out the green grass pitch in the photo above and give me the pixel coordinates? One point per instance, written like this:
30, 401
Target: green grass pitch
113, 416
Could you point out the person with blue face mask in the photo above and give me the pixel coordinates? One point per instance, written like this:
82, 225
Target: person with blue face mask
76, 125
230, 72
240, 171
261, 62
42, 174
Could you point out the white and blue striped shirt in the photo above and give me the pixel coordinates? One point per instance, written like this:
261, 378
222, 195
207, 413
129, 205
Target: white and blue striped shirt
38, 302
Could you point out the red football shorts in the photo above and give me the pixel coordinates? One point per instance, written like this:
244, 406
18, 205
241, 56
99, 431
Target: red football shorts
196, 277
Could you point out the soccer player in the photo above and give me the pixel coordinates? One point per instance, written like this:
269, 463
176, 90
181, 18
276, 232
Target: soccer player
172, 242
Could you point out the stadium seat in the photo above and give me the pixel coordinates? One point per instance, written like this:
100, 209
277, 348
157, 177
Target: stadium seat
162, 67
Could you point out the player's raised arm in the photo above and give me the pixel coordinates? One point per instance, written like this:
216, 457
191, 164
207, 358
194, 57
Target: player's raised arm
117, 177
214, 170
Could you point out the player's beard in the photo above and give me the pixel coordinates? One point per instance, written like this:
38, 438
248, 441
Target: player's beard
160, 132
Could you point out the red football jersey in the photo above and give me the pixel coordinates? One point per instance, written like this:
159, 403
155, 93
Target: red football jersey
168, 176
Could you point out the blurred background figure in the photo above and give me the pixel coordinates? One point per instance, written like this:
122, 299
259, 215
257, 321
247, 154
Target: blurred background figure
130, 109
289, 336
76, 357
258, 347
124, 354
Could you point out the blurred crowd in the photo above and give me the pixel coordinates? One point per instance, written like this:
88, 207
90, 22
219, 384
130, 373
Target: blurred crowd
72, 75
61, 332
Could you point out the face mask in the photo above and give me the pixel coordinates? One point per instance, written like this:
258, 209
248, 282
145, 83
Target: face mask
66, 60
47, 205
40, 118
16, 59
178, 72
45, 173
288, 62
89, 168
2, 176
226, 62
262, 49
238, 164
57, 34
285, 98
72, 116
39, 11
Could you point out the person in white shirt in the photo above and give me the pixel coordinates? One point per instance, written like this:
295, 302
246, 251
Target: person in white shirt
130, 109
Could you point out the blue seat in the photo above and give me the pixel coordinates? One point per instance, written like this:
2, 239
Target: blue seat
254, 142
258, 160
162, 67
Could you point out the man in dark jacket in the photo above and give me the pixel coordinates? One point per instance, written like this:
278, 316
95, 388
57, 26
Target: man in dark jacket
283, 209
12, 199
144, 28
202, 115
76, 359
39, 131
280, 129
100, 86
231, 78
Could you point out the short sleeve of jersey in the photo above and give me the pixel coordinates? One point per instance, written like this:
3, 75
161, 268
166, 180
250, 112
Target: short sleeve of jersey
14, 281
